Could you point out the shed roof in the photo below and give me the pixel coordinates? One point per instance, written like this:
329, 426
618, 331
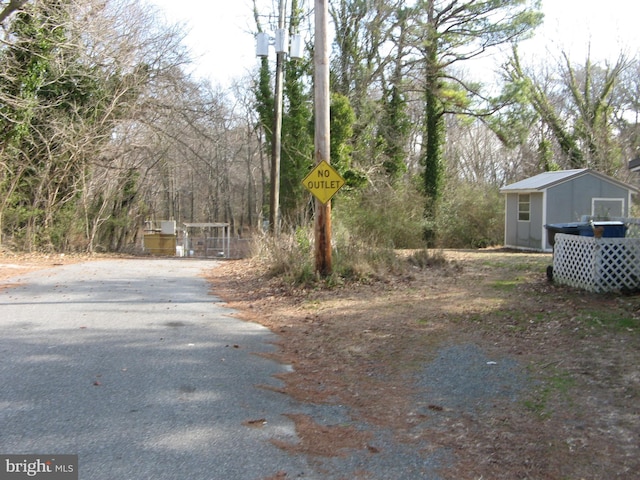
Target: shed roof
205, 225
545, 180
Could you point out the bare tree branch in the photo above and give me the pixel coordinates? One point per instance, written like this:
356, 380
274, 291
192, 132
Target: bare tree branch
9, 8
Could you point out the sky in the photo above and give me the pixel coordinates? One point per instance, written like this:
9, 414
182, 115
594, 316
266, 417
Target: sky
220, 35
607, 27
222, 43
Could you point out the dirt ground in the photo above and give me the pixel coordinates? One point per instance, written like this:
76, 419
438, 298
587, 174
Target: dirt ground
363, 344
13, 264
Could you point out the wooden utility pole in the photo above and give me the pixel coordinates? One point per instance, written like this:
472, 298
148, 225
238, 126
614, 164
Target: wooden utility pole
322, 126
274, 207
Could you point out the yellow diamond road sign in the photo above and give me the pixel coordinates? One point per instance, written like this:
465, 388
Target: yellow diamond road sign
323, 181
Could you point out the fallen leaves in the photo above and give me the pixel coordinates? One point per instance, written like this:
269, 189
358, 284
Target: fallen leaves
257, 423
355, 344
325, 440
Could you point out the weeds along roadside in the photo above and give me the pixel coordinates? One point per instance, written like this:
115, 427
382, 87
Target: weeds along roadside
290, 257
579, 350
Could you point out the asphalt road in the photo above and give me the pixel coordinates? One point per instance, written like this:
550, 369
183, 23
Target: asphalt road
135, 367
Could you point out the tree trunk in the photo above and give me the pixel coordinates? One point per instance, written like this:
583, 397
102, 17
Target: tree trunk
434, 121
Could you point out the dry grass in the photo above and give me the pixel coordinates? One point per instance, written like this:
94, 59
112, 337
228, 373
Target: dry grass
357, 344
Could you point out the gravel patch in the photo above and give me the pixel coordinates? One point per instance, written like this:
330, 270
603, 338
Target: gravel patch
464, 378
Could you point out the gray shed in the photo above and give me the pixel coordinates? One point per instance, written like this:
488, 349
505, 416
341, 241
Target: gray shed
559, 197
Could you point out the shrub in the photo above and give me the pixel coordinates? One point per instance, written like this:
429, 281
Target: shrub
287, 256
470, 216
383, 216
292, 257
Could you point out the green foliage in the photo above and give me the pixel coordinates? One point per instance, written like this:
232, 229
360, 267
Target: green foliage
470, 216
455, 97
432, 158
545, 153
388, 216
65, 229
394, 128
434, 133
342, 119
369, 225
360, 259
61, 113
506, 285
554, 383
264, 100
450, 35
297, 144
38, 167
513, 115
600, 321
582, 125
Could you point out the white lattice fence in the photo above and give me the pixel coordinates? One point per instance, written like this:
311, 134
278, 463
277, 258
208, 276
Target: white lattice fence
597, 264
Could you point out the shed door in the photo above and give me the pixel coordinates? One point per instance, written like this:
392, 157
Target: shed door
607, 207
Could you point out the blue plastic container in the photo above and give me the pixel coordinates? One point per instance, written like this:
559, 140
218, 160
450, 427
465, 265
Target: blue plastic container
612, 229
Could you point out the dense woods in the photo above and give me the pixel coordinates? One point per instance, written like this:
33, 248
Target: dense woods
102, 130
